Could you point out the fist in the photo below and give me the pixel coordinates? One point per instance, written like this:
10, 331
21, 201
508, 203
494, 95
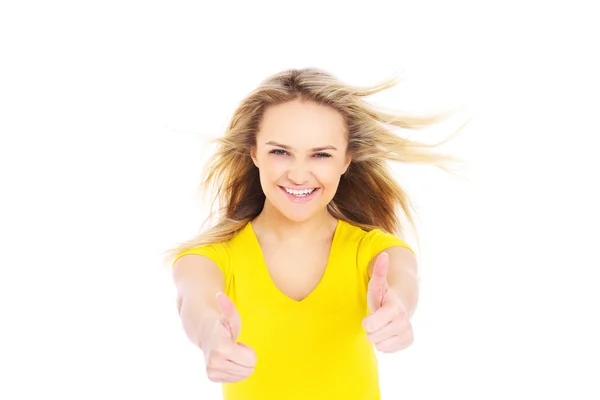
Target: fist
388, 326
226, 360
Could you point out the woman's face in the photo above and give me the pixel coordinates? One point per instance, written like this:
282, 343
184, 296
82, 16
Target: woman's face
301, 154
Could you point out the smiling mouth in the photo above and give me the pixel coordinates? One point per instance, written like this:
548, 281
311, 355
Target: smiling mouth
299, 193
303, 194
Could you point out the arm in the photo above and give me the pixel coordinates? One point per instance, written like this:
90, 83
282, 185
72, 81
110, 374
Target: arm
402, 276
197, 279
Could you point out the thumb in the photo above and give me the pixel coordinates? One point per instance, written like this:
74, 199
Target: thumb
378, 283
229, 315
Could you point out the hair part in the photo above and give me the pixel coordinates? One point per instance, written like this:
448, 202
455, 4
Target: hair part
367, 196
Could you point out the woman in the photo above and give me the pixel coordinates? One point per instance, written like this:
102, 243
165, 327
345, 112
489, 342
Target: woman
306, 250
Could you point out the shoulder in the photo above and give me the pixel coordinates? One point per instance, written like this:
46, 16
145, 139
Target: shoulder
220, 252
212, 250
216, 252
363, 245
371, 242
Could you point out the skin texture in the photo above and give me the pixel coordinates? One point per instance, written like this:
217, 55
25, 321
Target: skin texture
301, 127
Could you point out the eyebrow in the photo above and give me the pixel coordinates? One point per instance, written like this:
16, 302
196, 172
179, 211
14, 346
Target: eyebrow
291, 148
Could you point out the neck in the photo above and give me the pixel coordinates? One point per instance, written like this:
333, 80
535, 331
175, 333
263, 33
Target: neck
279, 227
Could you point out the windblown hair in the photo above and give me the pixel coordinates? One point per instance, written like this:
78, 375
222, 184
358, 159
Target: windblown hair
367, 196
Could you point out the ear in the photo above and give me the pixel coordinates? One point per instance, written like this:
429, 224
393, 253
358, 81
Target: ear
348, 160
253, 155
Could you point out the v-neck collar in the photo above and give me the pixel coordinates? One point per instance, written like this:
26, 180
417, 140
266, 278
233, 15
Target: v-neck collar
264, 271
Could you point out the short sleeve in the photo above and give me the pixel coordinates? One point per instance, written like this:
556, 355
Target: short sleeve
216, 252
374, 242
377, 241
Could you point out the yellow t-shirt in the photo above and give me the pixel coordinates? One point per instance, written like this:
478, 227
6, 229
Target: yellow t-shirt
315, 348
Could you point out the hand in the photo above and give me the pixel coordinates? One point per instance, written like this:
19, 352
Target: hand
388, 326
227, 361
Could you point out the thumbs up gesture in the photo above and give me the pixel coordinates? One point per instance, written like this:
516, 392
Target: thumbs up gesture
388, 326
227, 361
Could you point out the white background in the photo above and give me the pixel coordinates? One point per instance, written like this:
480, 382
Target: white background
104, 109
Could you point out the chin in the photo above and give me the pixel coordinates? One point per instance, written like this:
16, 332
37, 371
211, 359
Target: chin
299, 215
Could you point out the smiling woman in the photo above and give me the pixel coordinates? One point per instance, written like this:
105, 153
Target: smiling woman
306, 249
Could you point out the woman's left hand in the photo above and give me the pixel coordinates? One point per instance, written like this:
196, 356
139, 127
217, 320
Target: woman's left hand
388, 326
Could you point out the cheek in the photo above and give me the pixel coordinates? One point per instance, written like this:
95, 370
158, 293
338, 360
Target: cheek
272, 168
328, 175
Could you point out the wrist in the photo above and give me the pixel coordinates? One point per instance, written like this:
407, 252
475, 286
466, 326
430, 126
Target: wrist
206, 331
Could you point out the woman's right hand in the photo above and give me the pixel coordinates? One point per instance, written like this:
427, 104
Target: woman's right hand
226, 360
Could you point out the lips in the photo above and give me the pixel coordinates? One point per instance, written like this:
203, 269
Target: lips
300, 199
309, 190
298, 187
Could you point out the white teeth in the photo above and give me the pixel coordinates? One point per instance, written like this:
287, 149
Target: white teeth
302, 192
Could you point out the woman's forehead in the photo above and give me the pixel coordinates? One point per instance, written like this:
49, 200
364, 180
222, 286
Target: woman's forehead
302, 125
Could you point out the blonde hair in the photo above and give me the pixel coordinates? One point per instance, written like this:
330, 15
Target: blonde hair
367, 195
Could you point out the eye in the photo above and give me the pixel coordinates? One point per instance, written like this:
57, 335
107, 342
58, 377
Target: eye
278, 152
322, 155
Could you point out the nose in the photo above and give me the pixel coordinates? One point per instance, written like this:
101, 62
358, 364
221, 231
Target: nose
299, 173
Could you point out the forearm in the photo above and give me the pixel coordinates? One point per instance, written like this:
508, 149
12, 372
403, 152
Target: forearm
198, 319
407, 290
